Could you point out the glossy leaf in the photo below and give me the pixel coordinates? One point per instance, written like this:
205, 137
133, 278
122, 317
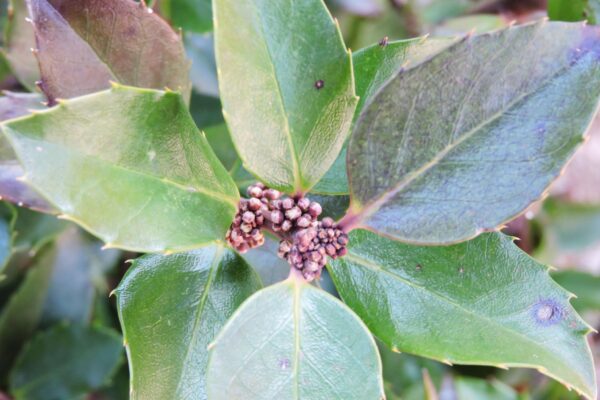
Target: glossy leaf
373, 67
270, 57
130, 166
13, 105
65, 363
441, 160
574, 10
482, 302
19, 39
293, 341
123, 42
171, 308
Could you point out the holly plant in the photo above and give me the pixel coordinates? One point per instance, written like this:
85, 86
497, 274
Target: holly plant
376, 181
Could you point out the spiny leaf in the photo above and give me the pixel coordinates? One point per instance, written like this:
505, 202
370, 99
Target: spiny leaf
171, 308
130, 166
482, 302
84, 44
293, 341
287, 87
465, 141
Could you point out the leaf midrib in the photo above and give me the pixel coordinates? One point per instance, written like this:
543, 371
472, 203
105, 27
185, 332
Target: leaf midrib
212, 272
377, 268
376, 203
196, 188
287, 130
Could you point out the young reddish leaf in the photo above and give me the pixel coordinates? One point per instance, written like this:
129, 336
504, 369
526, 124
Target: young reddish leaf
84, 44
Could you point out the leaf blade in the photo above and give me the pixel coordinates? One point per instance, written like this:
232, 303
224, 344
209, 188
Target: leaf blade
167, 330
459, 178
291, 132
481, 302
296, 319
150, 171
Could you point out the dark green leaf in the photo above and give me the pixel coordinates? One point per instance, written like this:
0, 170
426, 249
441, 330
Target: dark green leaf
171, 308
482, 302
441, 160
19, 39
270, 58
373, 67
294, 341
65, 362
123, 42
22, 313
13, 105
148, 182
584, 285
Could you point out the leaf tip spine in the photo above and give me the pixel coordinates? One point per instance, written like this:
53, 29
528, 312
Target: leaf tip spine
447, 362
107, 246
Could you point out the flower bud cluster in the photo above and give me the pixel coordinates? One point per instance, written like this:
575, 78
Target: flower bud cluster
310, 248
307, 241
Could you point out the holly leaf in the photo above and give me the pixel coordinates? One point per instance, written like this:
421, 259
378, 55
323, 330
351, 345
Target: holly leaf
287, 88
19, 39
123, 42
171, 308
294, 341
129, 166
13, 105
373, 67
65, 363
482, 302
442, 160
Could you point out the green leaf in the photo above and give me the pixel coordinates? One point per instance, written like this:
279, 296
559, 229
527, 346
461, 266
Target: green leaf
19, 39
65, 362
22, 313
584, 285
373, 67
13, 105
191, 15
171, 308
129, 166
123, 42
270, 58
442, 160
294, 341
573, 10
482, 302
477, 389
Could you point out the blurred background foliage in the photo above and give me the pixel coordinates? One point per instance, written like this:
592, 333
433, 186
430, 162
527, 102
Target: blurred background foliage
59, 331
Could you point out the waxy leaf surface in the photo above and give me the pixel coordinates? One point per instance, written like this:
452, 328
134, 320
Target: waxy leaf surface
467, 140
482, 302
171, 308
130, 166
270, 56
82, 45
19, 39
294, 341
373, 67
